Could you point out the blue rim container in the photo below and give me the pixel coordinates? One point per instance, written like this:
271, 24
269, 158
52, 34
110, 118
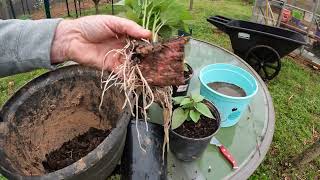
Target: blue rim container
230, 108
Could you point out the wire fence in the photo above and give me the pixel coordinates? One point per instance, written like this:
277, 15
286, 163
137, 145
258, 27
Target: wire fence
302, 16
35, 9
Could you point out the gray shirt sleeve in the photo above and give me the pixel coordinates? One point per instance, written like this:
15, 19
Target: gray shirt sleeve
25, 45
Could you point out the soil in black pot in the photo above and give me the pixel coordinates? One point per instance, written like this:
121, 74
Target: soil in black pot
227, 89
203, 128
74, 149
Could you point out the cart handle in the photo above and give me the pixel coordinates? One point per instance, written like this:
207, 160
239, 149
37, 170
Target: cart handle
220, 22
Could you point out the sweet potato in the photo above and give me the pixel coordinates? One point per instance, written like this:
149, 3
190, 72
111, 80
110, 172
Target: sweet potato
161, 64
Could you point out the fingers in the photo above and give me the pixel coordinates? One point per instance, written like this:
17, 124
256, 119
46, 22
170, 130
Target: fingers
127, 27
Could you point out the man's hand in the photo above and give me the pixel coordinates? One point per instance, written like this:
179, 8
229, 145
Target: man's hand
86, 40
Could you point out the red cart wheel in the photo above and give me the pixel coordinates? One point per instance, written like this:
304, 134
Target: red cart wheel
265, 61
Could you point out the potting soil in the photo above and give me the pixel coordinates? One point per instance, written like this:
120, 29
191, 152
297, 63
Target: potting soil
203, 128
74, 149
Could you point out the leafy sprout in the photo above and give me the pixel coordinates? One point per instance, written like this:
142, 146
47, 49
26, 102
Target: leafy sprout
159, 16
190, 108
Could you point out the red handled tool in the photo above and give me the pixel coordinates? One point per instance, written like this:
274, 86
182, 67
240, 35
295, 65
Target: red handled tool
224, 152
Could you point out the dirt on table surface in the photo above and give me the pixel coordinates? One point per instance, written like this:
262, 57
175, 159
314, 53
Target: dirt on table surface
74, 149
204, 128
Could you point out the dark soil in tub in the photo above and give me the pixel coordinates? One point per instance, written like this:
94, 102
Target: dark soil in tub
74, 149
204, 128
227, 89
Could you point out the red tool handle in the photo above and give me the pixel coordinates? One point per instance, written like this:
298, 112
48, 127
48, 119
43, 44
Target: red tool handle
228, 156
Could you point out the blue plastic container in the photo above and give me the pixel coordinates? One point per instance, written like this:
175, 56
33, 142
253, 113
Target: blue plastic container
230, 108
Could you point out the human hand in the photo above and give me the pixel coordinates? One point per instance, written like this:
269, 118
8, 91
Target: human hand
87, 40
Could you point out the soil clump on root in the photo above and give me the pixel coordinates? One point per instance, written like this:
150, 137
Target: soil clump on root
161, 64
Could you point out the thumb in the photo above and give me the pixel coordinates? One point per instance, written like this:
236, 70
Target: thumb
124, 26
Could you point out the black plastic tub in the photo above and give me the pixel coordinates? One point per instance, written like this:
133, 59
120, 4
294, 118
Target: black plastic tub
137, 164
52, 109
190, 149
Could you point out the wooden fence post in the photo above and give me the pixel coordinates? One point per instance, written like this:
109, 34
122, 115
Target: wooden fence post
12, 9
47, 8
67, 3
191, 5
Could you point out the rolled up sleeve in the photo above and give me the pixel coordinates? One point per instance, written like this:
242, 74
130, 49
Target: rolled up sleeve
25, 45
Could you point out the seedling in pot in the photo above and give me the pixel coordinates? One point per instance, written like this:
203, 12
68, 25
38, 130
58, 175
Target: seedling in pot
194, 122
191, 108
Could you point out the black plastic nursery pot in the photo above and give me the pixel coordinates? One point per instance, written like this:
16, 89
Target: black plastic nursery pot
190, 149
182, 90
55, 108
137, 164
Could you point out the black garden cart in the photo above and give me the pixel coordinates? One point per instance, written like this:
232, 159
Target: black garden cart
259, 45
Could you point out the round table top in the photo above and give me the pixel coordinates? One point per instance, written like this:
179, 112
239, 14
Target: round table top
248, 141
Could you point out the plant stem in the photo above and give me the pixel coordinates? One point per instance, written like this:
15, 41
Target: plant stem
156, 19
149, 16
155, 35
144, 13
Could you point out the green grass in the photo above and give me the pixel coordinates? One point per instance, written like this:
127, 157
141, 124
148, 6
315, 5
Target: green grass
297, 119
24, 17
2, 178
295, 94
18, 81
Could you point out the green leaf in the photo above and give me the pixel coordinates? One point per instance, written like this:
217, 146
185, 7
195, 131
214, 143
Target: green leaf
178, 100
134, 5
178, 117
185, 101
166, 32
188, 106
204, 110
197, 97
132, 15
195, 116
174, 14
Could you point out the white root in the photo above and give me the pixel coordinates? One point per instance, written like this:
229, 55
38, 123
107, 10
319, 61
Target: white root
165, 97
129, 79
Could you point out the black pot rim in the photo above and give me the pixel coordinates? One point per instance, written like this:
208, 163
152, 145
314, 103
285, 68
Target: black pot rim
91, 158
216, 112
190, 69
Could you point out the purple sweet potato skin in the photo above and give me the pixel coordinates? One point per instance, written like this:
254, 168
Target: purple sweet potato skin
162, 63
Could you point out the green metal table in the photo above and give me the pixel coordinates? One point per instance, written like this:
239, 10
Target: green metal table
248, 141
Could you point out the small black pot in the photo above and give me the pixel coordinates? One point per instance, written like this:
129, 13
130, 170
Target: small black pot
137, 164
182, 90
190, 149
182, 32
